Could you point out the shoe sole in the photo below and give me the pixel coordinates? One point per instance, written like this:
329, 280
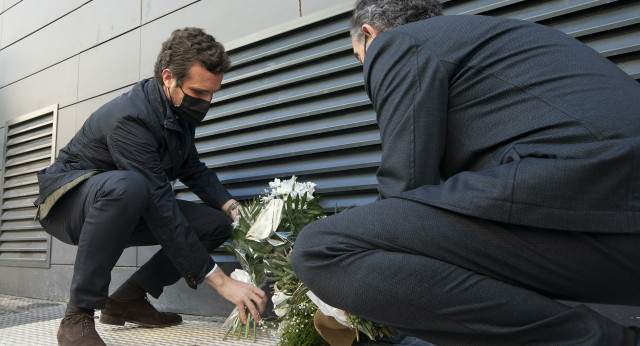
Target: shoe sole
118, 321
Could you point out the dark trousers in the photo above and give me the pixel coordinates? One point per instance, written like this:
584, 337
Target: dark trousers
455, 280
103, 216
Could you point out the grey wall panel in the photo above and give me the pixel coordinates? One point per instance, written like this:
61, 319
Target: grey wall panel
154, 9
62, 253
312, 6
54, 85
86, 107
52, 283
39, 13
109, 66
90, 25
225, 20
7, 4
66, 126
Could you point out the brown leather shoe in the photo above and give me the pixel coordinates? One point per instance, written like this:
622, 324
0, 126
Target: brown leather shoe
79, 330
139, 311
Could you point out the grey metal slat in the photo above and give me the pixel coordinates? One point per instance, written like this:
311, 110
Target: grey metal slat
329, 84
287, 112
290, 77
289, 42
311, 53
27, 137
535, 11
617, 43
22, 191
25, 169
475, 7
302, 147
607, 19
21, 180
23, 236
23, 160
317, 164
25, 147
20, 202
29, 126
301, 129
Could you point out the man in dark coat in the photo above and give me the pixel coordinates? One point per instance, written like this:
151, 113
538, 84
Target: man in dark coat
111, 188
509, 180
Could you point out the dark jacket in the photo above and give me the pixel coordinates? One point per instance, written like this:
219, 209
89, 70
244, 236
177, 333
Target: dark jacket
138, 132
508, 121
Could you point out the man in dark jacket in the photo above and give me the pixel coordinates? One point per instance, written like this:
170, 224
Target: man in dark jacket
509, 178
110, 188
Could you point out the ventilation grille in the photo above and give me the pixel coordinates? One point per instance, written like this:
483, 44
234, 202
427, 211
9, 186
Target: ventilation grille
29, 147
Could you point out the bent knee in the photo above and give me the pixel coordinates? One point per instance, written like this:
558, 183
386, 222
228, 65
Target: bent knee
216, 236
310, 250
129, 186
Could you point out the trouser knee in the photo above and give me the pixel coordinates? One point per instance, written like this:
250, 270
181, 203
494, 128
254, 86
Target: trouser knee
309, 251
130, 187
215, 237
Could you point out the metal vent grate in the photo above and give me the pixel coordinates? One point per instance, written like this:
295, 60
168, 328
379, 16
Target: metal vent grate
29, 147
294, 100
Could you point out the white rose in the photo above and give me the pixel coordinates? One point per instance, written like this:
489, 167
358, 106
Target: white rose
279, 298
241, 275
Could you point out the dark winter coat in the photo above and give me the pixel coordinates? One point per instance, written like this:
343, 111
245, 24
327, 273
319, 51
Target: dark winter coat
506, 120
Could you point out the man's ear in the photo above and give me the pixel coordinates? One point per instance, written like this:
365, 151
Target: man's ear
370, 31
167, 76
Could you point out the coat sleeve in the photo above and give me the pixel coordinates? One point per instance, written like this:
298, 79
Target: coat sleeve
204, 182
134, 148
409, 90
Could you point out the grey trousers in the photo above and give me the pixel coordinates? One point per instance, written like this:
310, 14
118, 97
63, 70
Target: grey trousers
455, 280
103, 216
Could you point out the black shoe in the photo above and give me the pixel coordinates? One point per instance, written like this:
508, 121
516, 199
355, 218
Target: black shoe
79, 329
139, 311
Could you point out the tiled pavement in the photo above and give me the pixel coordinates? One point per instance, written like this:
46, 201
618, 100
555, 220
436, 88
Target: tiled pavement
25, 321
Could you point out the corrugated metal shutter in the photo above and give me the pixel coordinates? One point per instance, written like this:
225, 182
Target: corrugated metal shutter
29, 147
294, 101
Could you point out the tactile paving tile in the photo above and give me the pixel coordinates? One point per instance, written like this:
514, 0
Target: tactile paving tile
25, 321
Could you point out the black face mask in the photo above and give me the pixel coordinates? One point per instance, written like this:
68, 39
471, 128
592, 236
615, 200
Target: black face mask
191, 109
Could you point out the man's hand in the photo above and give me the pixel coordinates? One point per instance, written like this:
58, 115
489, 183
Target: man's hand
239, 293
232, 208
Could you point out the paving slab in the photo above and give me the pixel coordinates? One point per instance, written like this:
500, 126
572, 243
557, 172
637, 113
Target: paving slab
26, 321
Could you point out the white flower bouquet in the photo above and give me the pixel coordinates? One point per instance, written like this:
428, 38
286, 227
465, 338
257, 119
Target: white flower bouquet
263, 237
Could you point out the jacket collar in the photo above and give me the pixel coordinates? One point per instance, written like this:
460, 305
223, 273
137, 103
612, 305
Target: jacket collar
160, 106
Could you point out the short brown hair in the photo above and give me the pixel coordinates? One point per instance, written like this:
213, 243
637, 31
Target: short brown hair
184, 48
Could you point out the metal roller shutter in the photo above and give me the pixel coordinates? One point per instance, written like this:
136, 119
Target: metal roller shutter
294, 101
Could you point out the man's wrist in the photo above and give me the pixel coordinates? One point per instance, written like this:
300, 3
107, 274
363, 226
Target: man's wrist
231, 208
216, 279
212, 270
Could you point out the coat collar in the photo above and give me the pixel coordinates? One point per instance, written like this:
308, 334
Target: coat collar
160, 106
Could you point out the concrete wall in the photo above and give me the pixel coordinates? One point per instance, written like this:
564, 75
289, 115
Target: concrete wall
80, 54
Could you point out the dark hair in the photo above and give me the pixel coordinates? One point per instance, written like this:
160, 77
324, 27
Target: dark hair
388, 14
187, 46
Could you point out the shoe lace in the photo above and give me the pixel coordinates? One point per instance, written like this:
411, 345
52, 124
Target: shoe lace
86, 319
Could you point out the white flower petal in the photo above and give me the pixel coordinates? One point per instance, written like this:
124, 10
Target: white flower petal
241, 275
329, 310
267, 222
